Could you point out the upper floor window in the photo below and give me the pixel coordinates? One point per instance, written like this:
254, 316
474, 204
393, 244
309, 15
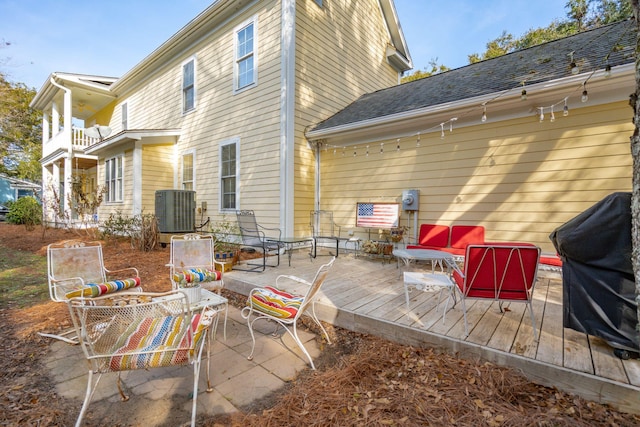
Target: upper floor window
245, 60
188, 171
113, 177
124, 112
319, 2
188, 85
228, 174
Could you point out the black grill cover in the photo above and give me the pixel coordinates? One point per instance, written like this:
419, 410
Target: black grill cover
597, 273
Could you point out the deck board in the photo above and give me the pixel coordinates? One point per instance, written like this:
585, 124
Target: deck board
368, 296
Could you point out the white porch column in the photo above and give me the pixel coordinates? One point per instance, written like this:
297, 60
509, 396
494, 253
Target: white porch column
55, 119
46, 130
55, 183
68, 169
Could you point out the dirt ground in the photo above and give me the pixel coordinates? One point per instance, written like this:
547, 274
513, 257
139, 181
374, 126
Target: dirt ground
361, 380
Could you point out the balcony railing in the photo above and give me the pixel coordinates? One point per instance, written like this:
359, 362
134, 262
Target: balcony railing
79, 141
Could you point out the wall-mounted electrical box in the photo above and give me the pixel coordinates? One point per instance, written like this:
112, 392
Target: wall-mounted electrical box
410, 200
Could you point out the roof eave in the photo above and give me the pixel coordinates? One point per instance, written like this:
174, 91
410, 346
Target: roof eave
371, 129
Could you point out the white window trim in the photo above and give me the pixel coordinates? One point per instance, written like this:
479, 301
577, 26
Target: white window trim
193, 178
253, 20
195, 84
230, 141
107, 183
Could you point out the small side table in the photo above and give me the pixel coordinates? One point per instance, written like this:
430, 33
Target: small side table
356, 245
429, 282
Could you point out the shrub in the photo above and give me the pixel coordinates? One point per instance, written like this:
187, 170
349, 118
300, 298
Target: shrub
25, 210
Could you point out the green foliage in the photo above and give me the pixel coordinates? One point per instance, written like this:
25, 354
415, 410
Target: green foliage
225, 234
85, 201
581, 15
20, 132
419, 74
25, 210
141, 229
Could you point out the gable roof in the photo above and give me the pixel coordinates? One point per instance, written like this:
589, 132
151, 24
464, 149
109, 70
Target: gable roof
591, 50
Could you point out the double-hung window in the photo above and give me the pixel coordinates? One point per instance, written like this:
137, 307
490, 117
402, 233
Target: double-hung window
113, 173
228, 174
189, 85
188, 171
245, 57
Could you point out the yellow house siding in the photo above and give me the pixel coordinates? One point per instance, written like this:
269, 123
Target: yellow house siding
157, 173
519, 178
340, 50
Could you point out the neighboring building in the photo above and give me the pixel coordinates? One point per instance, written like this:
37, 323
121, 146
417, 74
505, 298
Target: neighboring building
11, 189
221, 108
479, 151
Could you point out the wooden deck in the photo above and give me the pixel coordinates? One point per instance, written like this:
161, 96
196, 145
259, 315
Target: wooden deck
366, 295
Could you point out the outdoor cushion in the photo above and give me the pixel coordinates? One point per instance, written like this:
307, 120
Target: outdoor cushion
153, 342
195, 275
275, 302
96, 289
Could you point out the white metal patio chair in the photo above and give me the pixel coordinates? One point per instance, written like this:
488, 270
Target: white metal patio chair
286, 309
128, 331
76, 269
193, 261
255, 236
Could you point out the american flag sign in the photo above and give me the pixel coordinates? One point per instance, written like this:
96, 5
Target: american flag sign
378, 215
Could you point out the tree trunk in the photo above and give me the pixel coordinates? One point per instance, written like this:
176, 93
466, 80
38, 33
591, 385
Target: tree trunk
635, 153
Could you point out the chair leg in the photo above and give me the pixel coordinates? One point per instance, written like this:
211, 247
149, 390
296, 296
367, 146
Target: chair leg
466, 324
196, 378
71, 339
295, 337
314, 317
91, 388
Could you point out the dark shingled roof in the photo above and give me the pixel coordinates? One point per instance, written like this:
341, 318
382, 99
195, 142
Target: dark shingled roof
536, 64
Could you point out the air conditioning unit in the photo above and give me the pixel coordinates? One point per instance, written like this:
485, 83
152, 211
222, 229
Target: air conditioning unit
176, 211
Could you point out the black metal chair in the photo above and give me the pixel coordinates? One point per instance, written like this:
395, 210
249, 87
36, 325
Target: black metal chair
323, 228
255, 236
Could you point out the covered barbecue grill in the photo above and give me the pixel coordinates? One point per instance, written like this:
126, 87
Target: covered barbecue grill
597, 274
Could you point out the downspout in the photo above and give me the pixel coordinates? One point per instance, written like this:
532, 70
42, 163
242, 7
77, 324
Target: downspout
316, 196
287, 101
66, 123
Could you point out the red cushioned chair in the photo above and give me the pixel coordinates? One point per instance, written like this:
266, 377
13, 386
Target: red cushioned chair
463, 235
500, 272
432, 237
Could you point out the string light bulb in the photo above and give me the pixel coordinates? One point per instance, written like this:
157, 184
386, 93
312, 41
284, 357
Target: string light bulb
453, 119
418, 140
523, 95
607, 70
355, 150
585, 94
553, 116
484, 114
381, 147
565, 110
541, 114
367, 151
398, 144
573, 66
441, 130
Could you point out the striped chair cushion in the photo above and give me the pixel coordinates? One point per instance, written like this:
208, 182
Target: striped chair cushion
194, 275
275, 302
93, 290
154, 342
